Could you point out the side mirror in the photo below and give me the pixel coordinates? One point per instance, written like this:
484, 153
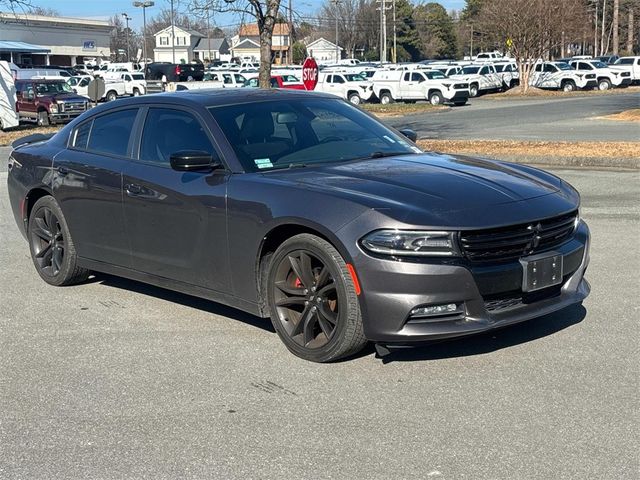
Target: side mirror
410, 134
193, 160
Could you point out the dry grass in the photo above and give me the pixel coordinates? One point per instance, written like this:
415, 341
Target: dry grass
399, 109
538, 92
22, 131
632, 115
500, 148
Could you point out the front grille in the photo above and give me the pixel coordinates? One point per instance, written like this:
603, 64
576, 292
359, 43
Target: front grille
626, 74
591, 75
507, 243
502, 303
74, 107
458, 86
509, 300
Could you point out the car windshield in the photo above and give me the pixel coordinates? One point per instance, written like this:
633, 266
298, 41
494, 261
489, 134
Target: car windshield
563, 66
435, 75
353, 77
137, 76
470, 70
599, 65
298, 132
624, 61
53, 88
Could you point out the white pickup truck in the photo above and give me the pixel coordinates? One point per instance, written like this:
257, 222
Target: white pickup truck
129, 84
350, 86
508, 72
228, 79
632, 64
560, 75
481, 78
412, 85
606, 75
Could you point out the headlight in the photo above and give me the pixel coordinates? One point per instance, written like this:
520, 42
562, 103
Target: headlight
54, 108
411, 242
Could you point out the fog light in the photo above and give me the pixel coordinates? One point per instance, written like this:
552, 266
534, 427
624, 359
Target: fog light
432, 310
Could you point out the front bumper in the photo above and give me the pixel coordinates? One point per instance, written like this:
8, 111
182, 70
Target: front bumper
63, 117
459, 96
590, 84
490, 296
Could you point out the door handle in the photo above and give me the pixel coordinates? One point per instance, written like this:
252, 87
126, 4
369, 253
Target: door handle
133, 190
63, 171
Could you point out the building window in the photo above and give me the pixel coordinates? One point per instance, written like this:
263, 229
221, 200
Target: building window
164, 40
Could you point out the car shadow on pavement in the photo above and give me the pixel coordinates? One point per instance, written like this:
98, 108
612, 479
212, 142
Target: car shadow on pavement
494, 340
183, 299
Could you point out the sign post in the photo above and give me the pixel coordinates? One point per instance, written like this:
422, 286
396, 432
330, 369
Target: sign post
310, 73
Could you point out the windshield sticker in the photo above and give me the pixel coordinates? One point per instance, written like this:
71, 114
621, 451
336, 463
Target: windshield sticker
389, 139
263, 163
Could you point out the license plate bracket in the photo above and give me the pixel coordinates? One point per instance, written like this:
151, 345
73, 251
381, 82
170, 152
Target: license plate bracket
541, 271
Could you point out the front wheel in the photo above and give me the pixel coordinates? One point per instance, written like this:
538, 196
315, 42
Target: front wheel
436, 98
43, 118
313, 301
386, 98
52, 249
473, 91
604, 84
136, 92
568, 86
111, 96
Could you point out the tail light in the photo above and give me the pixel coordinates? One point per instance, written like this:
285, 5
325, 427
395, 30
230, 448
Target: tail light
178, 70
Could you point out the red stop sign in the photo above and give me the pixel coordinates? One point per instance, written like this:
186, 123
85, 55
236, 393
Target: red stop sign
310, 73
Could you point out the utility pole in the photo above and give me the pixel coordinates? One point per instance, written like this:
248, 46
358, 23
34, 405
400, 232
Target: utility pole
383, 29
127, 18
395, 46
208, 36
290, 55
173, 35
144, 6
335, 12
471, 45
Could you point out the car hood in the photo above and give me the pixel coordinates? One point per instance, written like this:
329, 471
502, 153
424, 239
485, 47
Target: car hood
430, 183
65, 97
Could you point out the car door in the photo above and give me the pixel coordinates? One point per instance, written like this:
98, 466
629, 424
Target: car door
27, 101
406, 85
176, 220
87, 182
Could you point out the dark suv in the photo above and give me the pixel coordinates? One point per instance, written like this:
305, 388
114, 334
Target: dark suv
174, 72
48, 101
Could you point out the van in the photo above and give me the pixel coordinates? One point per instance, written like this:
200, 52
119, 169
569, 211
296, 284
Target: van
8, 98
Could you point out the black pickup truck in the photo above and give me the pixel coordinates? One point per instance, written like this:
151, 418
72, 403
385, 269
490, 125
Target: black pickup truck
174, 72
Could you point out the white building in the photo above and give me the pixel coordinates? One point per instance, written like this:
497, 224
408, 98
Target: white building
42, 40
184, 42
324, 51
246, 44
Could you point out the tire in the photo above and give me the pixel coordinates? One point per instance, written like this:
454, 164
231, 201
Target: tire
604, 84
52, 250
354, 98
43, 118
320, 325
111, 96
473, 90
436, 98
386, 98
568, 86
136, 92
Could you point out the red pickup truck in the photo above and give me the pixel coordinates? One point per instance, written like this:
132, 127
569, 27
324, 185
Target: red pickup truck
277, 81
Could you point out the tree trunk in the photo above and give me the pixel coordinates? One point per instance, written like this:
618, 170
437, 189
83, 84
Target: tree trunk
616, 12
630, 33
524, 68
604, 16
264, 76
595, 38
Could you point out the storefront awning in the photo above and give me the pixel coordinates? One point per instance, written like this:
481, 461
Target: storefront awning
21, 47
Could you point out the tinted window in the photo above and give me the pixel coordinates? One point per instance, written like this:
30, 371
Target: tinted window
277, 134
538, 68
81, 135
110, 132
168, 131
484, 71
500, 68
407, 77
549, 68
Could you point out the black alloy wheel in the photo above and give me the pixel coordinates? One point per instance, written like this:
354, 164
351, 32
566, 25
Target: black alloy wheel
314, 307
52, 249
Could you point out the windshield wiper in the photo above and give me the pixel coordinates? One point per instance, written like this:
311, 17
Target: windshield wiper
388, 154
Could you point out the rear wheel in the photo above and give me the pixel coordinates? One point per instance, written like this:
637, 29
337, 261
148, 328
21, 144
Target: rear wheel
386, 98
436, 98
313, 301
604, 84
52, 249
43, 118
354, 98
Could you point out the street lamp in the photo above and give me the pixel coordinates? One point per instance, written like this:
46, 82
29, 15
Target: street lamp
127, 18
144, 6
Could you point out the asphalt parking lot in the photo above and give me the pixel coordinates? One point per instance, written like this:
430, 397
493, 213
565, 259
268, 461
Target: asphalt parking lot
115, 379
568, 119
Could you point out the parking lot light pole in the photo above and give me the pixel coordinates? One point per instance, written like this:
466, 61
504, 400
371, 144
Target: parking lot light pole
127, 18
144, 6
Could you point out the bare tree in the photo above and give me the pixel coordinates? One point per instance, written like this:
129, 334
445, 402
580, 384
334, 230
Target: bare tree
265, 12
616, 14
531, 29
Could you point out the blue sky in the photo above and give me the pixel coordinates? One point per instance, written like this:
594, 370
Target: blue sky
103, 9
